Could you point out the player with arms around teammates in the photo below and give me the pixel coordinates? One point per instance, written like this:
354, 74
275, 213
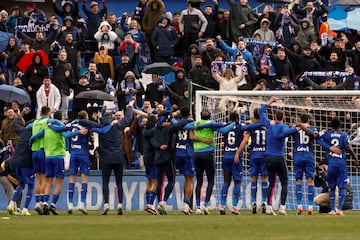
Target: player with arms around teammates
304, 162
276, 133
232, 161
257, 161
79, 162
337, 166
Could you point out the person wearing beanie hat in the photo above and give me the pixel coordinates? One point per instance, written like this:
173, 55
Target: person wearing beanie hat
32, 15
95, 17
68, 8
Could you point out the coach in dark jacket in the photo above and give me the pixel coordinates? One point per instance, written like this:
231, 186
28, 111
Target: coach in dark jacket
112, 153
164, 152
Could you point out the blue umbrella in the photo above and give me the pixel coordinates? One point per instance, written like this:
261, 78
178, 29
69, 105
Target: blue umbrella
10, 93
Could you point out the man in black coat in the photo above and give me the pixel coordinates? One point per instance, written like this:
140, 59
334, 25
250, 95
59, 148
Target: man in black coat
164, 155
111, 153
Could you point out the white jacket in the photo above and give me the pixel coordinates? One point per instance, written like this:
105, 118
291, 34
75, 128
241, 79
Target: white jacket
53, 101
108, 42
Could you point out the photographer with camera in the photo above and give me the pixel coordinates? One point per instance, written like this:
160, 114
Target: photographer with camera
323, 199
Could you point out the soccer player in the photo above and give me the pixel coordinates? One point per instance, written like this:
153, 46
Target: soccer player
204, 147
232, 164
111, 154
184, 147
257, 161
337, 168
164, 156
55, 150
21, 158
79, 161
149, 162
38, 157
304, 162
276, 133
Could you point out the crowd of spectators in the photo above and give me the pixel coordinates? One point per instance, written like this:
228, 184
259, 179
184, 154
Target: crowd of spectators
270, 50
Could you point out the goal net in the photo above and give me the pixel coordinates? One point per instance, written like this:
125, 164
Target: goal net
321, 105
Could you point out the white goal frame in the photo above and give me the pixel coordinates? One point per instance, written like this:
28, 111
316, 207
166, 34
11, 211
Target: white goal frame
244, 202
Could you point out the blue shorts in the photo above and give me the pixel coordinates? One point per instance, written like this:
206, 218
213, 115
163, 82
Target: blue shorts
55, 167
337, 174
25, 175
305, 166
79, 162
186, 166
38, 159
235, 168
257, 166
150, 173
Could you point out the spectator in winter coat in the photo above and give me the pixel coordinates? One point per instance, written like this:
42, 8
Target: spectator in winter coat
106, 37
154, 9
264, 31
105, 63
164, 39
68, 9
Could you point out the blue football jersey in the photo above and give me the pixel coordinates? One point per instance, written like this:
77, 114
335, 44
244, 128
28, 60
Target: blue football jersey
258, 142
336, 138
184, 146
304, 145
79, 143
232, 140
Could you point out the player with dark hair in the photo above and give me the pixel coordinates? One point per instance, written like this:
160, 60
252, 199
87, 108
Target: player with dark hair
184, 154
38, 157
232, 160
164, 155
304, 162
337, 168
79, 161
276, 133
55, 150
256, 161
149, 162
204, 147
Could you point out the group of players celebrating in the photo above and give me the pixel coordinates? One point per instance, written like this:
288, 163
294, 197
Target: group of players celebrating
194, 148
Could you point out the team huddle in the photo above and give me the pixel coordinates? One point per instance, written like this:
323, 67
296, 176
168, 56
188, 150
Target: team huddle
174, 140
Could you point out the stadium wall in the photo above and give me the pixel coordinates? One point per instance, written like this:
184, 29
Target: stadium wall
134, 190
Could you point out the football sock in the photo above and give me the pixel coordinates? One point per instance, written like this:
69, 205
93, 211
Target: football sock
298, 191
311, 193
37, 198
83, 192
342, 194
264, 189
147, 197
45, 198
224, 191
152, 196
253, 191
55, 199
71, 192
236, 195
332, 199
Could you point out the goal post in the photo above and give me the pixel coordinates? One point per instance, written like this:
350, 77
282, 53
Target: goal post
322, 107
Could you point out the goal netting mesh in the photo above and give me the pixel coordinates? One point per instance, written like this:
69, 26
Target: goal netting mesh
321, 105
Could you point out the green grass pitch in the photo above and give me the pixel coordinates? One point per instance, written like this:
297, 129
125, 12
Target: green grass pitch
175, 225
